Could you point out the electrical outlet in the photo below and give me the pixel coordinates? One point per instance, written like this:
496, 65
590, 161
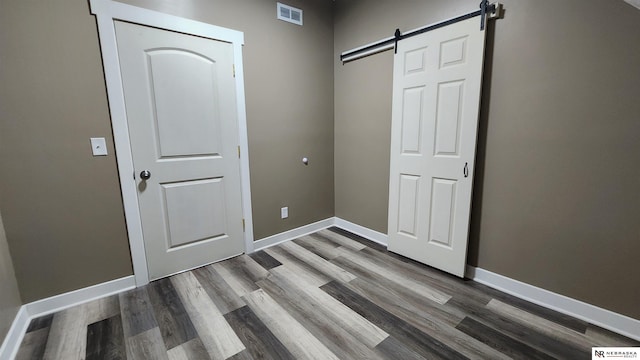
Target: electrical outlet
284, 212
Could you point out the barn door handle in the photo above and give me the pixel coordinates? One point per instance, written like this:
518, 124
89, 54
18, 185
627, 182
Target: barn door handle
145, 175
465, 171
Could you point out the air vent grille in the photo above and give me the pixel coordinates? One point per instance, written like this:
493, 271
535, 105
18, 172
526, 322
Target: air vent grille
289, 14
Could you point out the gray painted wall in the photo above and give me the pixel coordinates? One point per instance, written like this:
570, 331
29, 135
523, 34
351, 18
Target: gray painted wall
9, 296
63, 209
556, 198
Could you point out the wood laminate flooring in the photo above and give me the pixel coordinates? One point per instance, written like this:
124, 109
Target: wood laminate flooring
329, 295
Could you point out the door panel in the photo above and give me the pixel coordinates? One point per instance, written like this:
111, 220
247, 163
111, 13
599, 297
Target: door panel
408, 205
185, 96
436, 96
195, 211
447, 133
443, 202
411, 135
181, 113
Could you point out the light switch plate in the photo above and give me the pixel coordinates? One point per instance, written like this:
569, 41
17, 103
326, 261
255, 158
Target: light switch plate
284, 212
99, 146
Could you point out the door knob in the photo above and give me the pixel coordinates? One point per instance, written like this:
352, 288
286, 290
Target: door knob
145, 175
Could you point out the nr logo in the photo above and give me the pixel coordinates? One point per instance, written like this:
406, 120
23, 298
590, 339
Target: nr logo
599, 353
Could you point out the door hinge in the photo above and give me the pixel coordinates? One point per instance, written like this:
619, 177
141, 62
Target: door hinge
243, 226
234, 70
238, 151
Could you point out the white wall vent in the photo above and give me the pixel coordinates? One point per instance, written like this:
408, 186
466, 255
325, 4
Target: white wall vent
289, 14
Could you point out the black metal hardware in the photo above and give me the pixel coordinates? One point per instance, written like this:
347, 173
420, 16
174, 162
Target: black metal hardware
485, 8
483, 12
465, 171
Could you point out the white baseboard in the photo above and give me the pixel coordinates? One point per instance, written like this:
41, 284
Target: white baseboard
293, 234
366, 233
12, 341
607, 319
80, 296
52, 304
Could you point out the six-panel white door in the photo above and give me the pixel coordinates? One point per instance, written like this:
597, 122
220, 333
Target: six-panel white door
436, 97
181, 114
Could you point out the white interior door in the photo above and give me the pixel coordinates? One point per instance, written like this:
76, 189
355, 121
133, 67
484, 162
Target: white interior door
181, 113
436, 98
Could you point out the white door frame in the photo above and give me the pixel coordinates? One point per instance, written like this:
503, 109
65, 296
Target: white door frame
106, 12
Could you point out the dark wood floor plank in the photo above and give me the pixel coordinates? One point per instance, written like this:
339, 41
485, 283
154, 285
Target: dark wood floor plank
298, 340
604, 337
551, 315
438, 279
68, 334
137, 312
311, 275
105, 340
242, 355
340, 240
398, 278
101, 309
327, 308
254, 334
426, 317
219, 291
33, 345
241, 273
146, 345
542, 325
383, 291
318, 245
434, 278
318, 263
509, 346
191, 350
214, 331
174, 322
366, 242
312, 248
411, 337
341, 343
391, 348
265, 260
40, 323
521, 332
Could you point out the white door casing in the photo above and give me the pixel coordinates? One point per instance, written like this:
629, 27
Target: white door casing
180, 103
107, 13
437, 80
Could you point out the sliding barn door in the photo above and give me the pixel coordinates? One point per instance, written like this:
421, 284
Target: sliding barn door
436, 98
